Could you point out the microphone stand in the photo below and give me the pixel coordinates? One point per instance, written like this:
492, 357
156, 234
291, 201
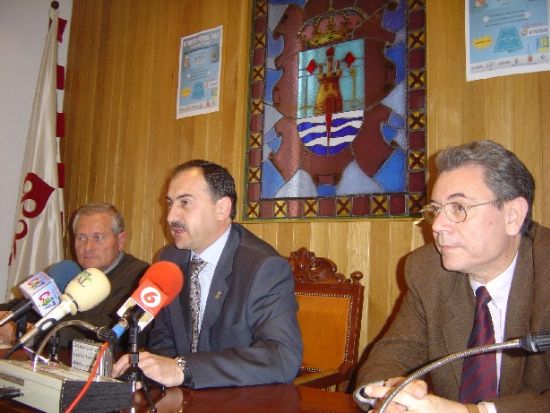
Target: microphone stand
134, 374
20, 330
20, 326
533, 342
54, 347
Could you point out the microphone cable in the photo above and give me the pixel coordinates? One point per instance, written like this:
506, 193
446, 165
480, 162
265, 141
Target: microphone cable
93, 372
95, 366
56, 328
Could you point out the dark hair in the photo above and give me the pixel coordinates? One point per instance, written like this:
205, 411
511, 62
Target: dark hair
505, 174
117, 225
219, 180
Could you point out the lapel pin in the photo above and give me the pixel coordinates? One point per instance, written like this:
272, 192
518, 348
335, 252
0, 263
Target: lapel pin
218, 295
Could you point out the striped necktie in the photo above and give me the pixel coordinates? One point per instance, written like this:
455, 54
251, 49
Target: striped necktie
479, 372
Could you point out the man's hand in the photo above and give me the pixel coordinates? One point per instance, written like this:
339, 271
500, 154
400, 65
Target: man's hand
413, 398
417, 389
163, 370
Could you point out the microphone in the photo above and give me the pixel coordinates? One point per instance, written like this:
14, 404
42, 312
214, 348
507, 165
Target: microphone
535, 342
85, 291
532, 342
158, 287
42, 292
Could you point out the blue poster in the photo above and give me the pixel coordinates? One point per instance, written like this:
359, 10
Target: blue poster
506, 37
199, 74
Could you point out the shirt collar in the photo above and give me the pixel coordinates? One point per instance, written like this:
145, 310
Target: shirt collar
498, 287
115, 263
212, 254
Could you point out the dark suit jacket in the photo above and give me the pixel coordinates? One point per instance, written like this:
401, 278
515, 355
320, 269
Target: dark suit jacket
437, 316
249, 334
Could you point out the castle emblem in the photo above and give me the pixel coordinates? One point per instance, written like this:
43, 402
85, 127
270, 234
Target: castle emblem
330, 97
331, 80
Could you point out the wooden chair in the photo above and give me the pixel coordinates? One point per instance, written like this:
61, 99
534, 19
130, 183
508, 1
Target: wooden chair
329, 315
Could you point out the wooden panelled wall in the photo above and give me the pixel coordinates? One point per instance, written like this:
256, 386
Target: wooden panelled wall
122, 137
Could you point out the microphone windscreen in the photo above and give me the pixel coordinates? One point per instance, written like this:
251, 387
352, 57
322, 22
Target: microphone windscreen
63, 272
88, 288
167, 276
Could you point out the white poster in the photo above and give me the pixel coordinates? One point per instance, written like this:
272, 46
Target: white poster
505, 37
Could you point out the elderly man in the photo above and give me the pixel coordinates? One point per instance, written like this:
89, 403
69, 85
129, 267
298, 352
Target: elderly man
234, 323
487, 272
99, 237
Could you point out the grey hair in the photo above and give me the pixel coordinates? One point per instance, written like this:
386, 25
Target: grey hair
505, 174
117, 225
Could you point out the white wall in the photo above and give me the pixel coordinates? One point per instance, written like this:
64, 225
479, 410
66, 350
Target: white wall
23, 29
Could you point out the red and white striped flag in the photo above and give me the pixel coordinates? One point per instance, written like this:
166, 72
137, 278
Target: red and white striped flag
38, 229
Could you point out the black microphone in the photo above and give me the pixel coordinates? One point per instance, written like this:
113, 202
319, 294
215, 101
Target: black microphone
17, 311
532, 342
536, 342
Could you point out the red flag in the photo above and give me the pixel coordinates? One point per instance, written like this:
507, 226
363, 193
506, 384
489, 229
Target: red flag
38, 228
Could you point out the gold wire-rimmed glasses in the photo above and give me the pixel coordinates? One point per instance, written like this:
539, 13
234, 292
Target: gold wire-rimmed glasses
455, 211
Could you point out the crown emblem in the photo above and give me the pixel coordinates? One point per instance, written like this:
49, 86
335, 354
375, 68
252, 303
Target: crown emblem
334, 25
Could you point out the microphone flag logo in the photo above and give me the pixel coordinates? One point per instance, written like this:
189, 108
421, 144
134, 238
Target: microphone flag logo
151, 297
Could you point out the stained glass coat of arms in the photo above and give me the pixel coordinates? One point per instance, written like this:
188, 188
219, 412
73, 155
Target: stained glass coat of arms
337, 109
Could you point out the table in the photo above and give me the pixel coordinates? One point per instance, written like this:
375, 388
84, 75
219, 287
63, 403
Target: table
275, 398
272, 398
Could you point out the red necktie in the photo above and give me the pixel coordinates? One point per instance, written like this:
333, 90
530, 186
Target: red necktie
479, 372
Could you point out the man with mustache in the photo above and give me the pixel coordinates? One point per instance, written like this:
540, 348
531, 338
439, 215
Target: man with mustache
488, 262
234, 323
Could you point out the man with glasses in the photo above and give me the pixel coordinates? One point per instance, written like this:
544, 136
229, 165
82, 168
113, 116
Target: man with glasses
99, 237
485, 279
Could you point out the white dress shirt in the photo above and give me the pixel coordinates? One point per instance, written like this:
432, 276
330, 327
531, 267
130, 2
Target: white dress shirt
499, 289
211, 256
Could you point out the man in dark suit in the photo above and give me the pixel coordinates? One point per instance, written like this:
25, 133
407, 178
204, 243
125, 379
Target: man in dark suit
241, 327
480, 212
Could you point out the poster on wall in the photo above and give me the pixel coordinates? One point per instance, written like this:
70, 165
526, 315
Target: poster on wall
199, 74
505, 37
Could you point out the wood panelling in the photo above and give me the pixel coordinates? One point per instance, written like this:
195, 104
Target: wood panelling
122, 137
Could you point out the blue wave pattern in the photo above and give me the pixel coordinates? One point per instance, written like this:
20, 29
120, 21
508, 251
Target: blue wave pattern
343, 130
